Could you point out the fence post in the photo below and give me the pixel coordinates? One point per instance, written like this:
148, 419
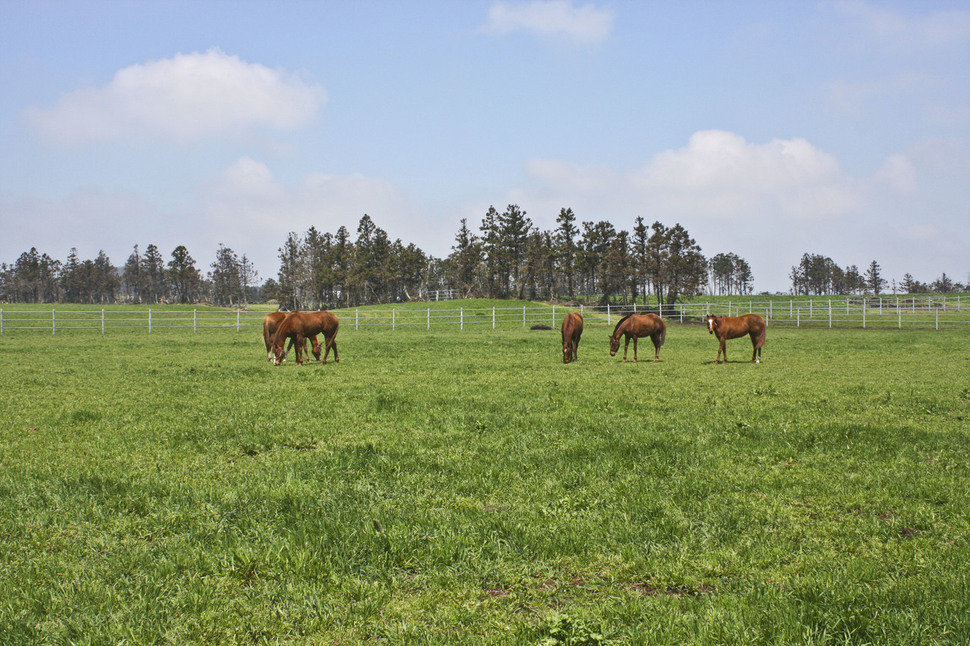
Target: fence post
53, 322
461, 318
149, 320
798, 317
937, 320
102, 321
356, 319
863, 313
899, 314
493, 318
830, 313
195, 320
523, 316
608, 322
393, 319
553, 316
237, 320
429, 318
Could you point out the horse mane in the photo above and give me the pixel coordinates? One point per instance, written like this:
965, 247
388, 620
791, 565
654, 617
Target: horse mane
620, 322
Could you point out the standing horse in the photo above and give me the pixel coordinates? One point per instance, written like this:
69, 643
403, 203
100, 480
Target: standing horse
572, 329
733, 327
636, 326
303, 325
270, 323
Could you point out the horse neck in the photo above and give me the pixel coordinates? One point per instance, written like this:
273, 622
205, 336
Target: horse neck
620, 329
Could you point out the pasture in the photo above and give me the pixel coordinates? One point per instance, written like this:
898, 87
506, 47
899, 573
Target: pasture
445, 486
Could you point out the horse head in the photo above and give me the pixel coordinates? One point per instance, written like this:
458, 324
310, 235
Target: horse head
279, 351
711, 323
614, 344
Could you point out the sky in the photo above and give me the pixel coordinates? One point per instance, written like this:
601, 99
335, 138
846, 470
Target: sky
766, 129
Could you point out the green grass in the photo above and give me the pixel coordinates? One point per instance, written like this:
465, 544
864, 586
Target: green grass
451, 487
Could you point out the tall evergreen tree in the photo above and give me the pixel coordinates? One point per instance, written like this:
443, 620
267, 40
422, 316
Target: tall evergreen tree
514, 228
131, 279
465, 261
184, 276
565, 249
874, 280
155, 287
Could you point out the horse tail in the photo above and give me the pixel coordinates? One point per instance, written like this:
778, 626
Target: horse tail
663, 333
764, 333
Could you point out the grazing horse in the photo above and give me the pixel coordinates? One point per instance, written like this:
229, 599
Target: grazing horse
733, 327
270, 323
572, 329
636, 326
303, 325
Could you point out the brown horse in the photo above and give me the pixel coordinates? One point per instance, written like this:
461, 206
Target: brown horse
303, 325
733, 327
270, 323
636, 326
572, 329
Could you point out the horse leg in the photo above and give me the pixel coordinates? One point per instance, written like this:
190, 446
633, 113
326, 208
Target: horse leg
635, 339
300, 348
575, 345
757, 350
626, 346
656, 354
721, 347
330, 342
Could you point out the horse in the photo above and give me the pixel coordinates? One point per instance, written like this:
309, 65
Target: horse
733, 327
572, 329
303, 325
270, 323
636, 326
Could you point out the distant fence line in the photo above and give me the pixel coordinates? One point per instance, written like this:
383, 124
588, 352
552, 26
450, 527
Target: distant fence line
875, 312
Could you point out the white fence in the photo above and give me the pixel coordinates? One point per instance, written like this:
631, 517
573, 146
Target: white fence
885, 312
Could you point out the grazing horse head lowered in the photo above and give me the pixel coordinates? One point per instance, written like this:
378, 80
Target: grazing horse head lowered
635, 326
572, 329
734, 327
270, 323
300, 326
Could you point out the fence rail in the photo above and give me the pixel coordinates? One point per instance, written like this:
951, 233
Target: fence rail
930, 312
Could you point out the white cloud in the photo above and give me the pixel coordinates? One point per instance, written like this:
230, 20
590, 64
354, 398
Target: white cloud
717, 175
935, 29
898, 175
186, 98
583, 24
254, 210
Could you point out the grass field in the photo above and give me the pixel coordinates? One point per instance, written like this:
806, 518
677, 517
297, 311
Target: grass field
466, 487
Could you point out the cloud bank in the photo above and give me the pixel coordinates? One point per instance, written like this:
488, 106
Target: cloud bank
186, 98
718, 175
586, 24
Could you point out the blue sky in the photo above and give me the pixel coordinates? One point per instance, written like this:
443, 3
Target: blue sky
767, 129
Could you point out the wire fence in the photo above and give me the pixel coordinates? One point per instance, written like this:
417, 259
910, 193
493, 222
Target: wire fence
853, 312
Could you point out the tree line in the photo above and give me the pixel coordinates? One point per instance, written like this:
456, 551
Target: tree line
818, 274
146, 277
503, 256
506, 256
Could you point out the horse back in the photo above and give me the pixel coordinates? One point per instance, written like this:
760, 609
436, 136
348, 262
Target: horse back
572, 326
